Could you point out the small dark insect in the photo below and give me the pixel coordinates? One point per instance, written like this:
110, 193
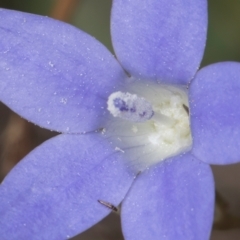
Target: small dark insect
109, 205
186, 108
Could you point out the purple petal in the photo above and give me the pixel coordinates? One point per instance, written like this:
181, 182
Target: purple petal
173, 200
53, 193
161, 40
215, 113
53, 74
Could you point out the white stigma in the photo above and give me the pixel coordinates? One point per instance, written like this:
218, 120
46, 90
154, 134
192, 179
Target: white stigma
150, 123
129, 107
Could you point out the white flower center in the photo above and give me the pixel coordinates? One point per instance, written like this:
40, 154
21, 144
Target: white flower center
149, 123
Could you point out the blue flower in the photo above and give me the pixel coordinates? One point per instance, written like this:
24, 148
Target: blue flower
119, 140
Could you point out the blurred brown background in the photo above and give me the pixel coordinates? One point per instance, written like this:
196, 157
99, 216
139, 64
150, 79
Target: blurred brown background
18, 137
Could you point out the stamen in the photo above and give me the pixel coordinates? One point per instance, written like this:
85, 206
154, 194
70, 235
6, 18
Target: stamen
163, 119
130, 107
186, 108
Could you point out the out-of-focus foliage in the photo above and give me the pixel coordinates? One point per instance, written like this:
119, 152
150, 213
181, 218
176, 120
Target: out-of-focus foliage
31, 6
223, 43
93, 17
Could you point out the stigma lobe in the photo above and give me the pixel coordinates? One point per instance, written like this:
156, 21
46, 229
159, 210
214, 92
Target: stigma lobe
129, 107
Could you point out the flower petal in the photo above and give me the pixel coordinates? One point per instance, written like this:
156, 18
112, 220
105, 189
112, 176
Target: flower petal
173, 200
53, 193
215, 114
53, 74
161, 40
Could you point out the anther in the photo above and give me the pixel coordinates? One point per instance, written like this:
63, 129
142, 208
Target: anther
186, 108
130, 107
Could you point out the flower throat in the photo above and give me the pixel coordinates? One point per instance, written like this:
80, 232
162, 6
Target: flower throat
149, 123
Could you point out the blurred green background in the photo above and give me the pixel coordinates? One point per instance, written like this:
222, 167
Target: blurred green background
223, 44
